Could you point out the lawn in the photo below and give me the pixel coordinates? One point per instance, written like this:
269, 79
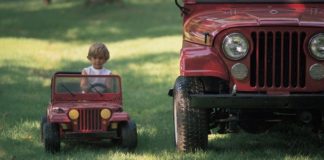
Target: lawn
144, 38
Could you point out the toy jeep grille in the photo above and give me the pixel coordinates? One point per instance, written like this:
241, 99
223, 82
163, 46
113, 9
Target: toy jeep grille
89, 120
276, 60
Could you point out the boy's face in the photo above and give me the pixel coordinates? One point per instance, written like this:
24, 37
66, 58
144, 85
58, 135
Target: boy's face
98, 61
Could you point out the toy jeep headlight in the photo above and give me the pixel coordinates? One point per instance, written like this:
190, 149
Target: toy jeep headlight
105, 113
73, 114
316, 46
235, 46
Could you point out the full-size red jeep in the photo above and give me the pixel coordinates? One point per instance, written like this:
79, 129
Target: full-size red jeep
90, 112
248, 64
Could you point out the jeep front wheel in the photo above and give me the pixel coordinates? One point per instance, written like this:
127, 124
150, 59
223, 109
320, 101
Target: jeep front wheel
51, 137
190, 124
129, 135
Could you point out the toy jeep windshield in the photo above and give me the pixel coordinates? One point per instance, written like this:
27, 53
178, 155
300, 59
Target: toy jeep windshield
248, 64
86, 108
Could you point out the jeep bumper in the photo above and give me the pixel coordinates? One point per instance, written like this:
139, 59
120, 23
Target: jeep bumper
80, 135
292, 101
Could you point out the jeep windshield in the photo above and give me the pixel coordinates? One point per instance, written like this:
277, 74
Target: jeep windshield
86, 85
257, 1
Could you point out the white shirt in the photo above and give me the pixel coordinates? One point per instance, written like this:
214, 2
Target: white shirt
92, 71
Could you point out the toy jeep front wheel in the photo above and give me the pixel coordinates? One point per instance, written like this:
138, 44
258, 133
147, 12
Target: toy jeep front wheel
128, 135
51, 137
190, 124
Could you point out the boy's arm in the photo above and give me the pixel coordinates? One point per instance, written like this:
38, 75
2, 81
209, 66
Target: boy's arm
84, 82
109, 84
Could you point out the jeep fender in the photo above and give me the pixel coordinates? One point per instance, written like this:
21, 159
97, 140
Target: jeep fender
119, 116
201, 61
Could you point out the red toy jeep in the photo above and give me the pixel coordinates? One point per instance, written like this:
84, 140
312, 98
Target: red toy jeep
92, 114
248, 64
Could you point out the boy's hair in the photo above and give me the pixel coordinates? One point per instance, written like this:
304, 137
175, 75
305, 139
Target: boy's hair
97, 49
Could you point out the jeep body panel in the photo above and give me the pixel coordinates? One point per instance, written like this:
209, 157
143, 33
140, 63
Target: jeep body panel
117, 114
67, 95
198, 60
202, 55
248, 65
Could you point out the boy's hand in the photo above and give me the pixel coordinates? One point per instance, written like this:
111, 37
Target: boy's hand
84, 82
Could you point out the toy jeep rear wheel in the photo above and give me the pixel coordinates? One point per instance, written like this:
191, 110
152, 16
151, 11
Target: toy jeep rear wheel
190, 124
51, 137
128, 135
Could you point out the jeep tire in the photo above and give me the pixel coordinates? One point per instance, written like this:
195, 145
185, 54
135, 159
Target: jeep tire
51, 137
190, 124
43, 121
128, 135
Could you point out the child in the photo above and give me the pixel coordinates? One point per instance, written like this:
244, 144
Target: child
98, 55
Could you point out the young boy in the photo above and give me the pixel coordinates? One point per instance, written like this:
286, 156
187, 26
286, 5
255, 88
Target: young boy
98, 55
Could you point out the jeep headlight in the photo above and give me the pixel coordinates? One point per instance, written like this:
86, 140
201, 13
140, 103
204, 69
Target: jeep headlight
105, 113
316, 46
235, 46
73, 114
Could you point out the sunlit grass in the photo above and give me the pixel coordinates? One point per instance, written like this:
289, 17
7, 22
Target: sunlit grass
24, 131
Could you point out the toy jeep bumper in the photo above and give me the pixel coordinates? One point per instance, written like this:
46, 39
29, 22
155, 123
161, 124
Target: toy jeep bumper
258, 101
99, 135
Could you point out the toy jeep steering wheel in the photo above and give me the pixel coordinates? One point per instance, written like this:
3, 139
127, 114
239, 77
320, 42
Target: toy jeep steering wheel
103, 88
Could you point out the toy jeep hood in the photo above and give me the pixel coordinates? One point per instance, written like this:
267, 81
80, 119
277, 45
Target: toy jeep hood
212, 18
84, 105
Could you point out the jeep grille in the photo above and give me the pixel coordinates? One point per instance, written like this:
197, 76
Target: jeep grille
278, 59
89, 120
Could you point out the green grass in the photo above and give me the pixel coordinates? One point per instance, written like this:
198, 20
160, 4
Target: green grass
144, 37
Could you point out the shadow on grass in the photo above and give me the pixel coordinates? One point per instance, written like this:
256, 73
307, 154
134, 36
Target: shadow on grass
296, 143
22, 92
72, 21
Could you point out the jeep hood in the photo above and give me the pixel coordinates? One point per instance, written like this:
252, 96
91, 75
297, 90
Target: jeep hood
214, 18
66, 106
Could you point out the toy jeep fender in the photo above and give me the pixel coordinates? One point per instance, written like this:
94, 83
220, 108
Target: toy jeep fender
248, 64
86, 113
